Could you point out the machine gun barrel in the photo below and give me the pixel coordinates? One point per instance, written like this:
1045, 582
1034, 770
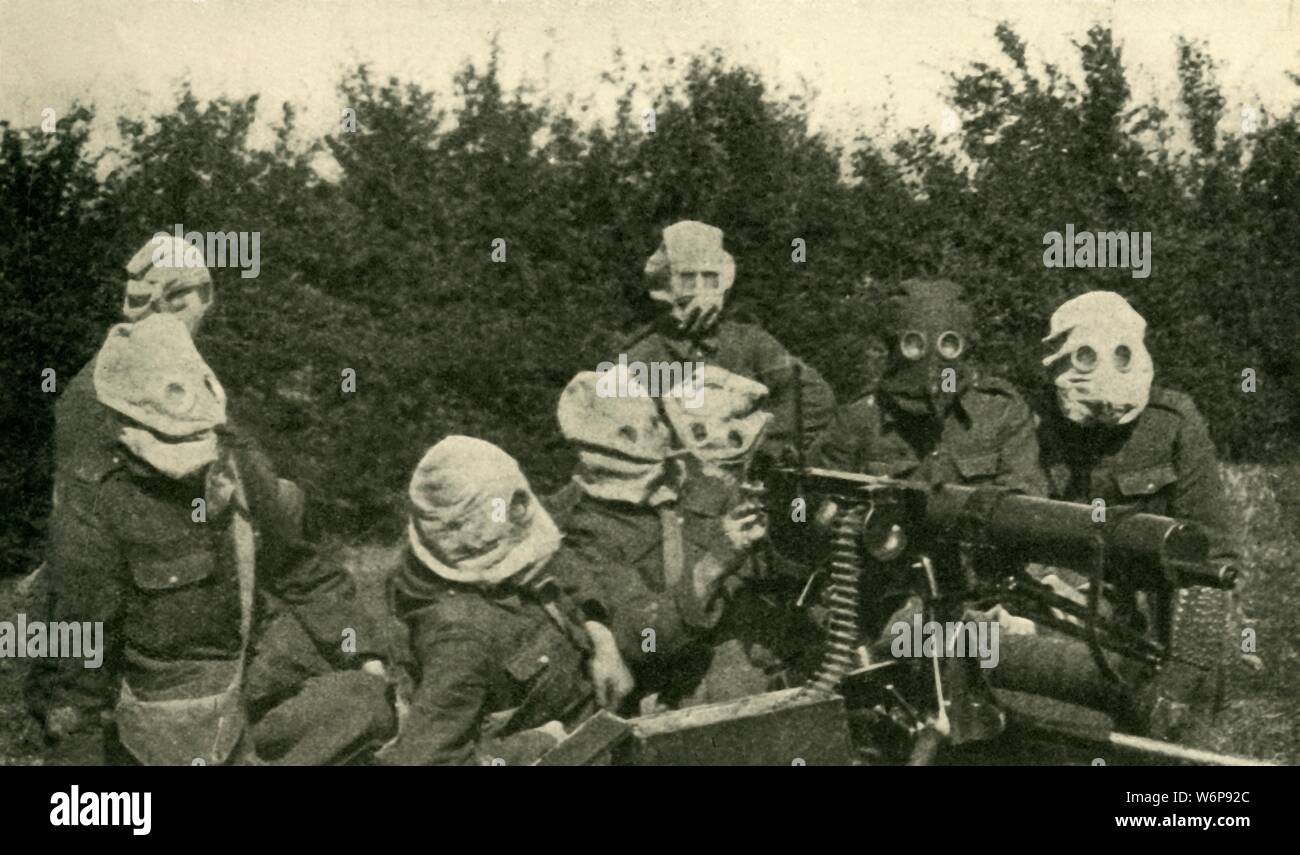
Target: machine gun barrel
1159, 549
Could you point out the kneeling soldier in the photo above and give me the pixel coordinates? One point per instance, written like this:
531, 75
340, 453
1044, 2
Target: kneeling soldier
659, 546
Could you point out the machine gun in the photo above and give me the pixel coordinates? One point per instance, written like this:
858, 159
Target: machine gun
953, 547
960, 547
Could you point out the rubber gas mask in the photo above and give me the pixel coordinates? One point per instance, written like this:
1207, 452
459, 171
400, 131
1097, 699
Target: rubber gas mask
930, 332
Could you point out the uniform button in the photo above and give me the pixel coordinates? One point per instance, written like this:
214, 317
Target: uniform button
545, 660
172, 580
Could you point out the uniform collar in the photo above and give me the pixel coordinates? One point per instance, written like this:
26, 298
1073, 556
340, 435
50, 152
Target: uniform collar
540, 587
890, 414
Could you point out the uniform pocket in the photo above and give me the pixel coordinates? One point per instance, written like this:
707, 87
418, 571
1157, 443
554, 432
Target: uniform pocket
550, 670
157, 567
535, 654
1146, 481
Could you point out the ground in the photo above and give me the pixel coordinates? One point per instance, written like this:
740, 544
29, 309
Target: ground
1262, 715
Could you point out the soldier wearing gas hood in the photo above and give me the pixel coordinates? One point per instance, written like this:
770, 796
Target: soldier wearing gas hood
935, 416
690, 275
1108, 432
231, 638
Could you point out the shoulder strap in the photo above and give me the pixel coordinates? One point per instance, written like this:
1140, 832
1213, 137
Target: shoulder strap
670, 526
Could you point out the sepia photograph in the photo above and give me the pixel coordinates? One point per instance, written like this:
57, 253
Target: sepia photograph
650, 383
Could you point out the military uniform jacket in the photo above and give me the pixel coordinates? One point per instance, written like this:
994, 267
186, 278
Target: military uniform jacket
81, 429
490, 662
987, 437
126, 549
1162, 463
750, 351
614, 567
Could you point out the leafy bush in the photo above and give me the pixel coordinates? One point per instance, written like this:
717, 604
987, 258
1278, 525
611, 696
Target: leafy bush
388, 270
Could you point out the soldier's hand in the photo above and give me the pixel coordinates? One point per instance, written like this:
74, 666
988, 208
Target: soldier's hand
553, 729
1064, 589
826, 513
609, 673
699, 319
744, 526
61, 721
375, 667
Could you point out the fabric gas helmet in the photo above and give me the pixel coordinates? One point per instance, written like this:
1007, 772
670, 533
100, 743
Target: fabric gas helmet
721, 436
1100, 365
164, 268
691, 273
930, 330
624, 446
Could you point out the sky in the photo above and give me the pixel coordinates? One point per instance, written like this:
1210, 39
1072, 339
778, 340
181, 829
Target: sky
864, 58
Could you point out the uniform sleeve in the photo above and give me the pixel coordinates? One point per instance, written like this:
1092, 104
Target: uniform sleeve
620, 598
442, 727
839, 446
701, 595
1018, 463
321, 593
777, 369
1199, 493
579, 577
86, 579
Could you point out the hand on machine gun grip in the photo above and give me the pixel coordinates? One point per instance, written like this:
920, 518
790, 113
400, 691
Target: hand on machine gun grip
745, 525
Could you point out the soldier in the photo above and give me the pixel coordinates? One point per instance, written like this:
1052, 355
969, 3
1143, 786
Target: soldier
1108, 433
183, 543
179, 284
499, 652
660, 543
691, 274
934, 415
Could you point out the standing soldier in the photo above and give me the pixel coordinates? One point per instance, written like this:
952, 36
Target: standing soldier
188, 549
1109, 434
690, 274
934, 415
178, 284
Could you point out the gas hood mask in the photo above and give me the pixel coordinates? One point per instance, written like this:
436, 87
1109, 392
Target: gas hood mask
1099, 365
691, 273
930, 335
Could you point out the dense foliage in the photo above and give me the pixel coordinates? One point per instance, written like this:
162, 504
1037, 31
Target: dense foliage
387, 269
